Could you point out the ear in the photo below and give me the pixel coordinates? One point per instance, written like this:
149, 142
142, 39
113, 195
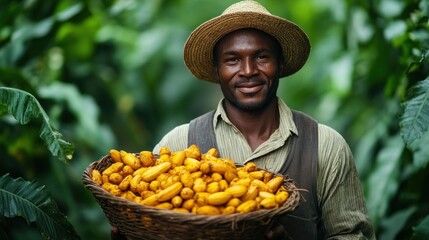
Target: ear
215, 73
282, 66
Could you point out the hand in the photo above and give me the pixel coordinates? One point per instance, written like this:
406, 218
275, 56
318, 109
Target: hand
277, 232
116, 235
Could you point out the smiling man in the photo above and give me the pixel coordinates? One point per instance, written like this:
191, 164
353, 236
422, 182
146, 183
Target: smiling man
247, 50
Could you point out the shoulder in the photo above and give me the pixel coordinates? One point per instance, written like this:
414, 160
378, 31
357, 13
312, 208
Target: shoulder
175, 140
329, 136
334, 152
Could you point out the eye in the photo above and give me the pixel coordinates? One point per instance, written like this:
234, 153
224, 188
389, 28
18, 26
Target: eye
231, 59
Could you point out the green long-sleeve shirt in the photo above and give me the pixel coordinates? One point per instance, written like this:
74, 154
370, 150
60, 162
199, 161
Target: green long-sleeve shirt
339, 191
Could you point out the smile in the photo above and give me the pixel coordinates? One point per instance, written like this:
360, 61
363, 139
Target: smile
249, 88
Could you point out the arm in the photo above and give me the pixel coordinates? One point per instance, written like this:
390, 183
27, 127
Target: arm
175, 140
339, 190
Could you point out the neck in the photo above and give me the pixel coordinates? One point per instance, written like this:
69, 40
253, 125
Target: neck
256, 126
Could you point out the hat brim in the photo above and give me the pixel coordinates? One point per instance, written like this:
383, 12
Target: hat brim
198, 50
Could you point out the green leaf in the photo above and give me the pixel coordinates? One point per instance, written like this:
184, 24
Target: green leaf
414, 119
421, 231
384, 180
20, 198
25, 107
395, 223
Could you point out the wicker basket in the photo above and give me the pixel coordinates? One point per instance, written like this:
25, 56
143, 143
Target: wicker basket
137, 221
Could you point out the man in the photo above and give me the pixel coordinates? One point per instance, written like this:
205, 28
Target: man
246, 50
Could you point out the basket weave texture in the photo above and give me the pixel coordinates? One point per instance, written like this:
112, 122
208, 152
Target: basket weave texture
137, 221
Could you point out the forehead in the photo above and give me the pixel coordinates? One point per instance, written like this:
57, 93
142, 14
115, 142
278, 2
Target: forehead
257, 36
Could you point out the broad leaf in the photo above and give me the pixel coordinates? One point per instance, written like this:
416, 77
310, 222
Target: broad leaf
421, 231
394, 224
20, 198
414, 119
384, 180
25, 107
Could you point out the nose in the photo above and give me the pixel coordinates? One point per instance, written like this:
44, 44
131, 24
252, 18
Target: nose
248, 68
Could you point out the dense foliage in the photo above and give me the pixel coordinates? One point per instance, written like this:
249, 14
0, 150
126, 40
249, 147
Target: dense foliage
80, 77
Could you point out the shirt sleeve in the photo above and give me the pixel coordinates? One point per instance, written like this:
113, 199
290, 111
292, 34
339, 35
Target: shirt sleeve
175, 140
340, 193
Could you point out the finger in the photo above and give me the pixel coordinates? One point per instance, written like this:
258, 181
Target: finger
116, 235
277, 232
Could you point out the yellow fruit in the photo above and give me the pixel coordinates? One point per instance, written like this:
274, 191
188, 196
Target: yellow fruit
178, 158
199, 185
216, 177
250, 167
125, 184
146, 194
264, 195
228, 210
281, 197
115, 167
244, 181
187, 193
134, 182
96, 177
154, 185
153, 172
115, 155
208, 210
213, 187
192, 164
105, 178
127, 170
181, 210
132, 161
128, 195
220, 167
201, 198
177, 201
260, 184
205, 167
164, 151
212, 152
165, 205
268, 203
150, 201
170, 192
230, 176
186, 179
142, 186
242, 174
251, 194
196, 175
219, 198
223, 184
237, 191
274, 184
257, 174
115, 178
189, 204
267, 176
247, 206
140, 171
193, 152
146, 158
235, 202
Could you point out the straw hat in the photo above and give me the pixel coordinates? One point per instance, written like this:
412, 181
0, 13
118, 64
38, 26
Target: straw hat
198, 52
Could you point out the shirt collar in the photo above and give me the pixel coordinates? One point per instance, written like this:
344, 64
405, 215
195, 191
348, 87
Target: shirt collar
287, 125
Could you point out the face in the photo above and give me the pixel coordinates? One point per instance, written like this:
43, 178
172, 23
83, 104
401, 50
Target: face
248, 64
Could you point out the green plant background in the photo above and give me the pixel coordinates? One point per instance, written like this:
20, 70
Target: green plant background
110, 74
